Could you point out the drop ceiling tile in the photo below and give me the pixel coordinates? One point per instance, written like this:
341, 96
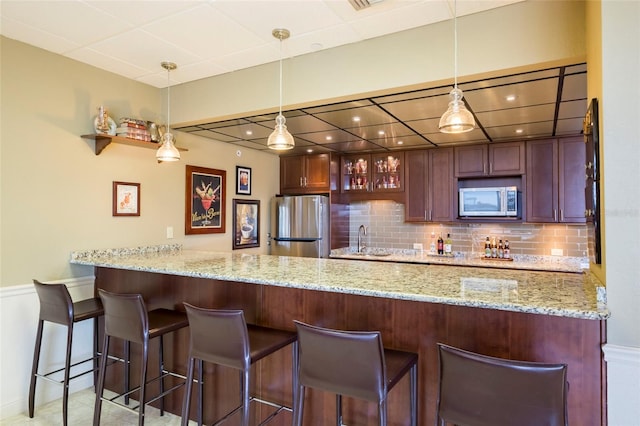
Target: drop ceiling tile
572, 109
413, 141
214, 135
516, 116
420, 108
329, 137
353, 146
391, 130
340, 106
369, 115
35, 36
138, 13
440, 138
307, 124
573, 87
508, 132
569, 126
531, 93
240, 131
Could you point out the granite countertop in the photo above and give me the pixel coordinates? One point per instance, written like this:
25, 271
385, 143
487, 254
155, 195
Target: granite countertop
548, 293
522, 262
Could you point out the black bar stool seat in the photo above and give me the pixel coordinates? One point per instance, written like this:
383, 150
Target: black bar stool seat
480, 390
223, 337
127, 318
57, 307
354, 364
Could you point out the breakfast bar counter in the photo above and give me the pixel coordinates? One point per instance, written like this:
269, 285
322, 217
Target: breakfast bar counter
510, 313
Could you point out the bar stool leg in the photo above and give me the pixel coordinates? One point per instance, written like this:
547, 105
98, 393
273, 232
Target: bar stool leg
245, 397
101, 375
143, 381
200, 390
65, 383
127, 369
161, 369
338, 410
34, 368
187, 393
414, 395
96, 361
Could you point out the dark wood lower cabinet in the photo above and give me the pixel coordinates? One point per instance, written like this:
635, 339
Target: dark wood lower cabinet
408, 325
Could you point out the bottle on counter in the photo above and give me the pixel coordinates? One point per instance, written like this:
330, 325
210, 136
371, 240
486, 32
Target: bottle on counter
500, 250
433, 245
487, 248
494, 248
440, 245
507, 250
447, 246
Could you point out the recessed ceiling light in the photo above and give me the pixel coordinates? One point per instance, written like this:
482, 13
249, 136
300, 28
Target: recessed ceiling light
316, 46
519, 130
510, 98
249, 132
309, 150
400, 142
356, 119
381, 132
329, 137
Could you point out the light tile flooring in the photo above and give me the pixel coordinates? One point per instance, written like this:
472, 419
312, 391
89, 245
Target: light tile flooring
81, 414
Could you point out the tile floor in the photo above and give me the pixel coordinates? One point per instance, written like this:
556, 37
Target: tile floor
81, 414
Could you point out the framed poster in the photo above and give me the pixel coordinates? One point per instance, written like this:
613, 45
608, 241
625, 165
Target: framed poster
246, 223
126, 199
243, 180
205, 199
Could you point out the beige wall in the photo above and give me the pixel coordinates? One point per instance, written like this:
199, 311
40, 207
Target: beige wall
57, 194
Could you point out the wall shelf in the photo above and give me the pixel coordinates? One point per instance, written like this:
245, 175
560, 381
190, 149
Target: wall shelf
103, 140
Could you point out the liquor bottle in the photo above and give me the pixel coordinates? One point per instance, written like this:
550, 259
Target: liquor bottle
433, 245
500, 250
494, 248
447, 246
507, 250
440, 245
487, 248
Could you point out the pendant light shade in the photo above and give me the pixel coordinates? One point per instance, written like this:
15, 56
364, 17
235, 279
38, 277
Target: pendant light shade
457, 118
280, 139
168, 151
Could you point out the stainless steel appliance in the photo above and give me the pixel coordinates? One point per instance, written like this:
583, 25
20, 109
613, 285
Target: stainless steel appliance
300, 226
488, 202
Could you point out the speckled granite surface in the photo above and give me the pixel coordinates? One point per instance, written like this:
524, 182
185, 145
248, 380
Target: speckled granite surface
547, 293
534, 263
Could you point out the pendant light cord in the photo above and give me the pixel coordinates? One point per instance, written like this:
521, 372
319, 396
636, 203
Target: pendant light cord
455, 44
280, 109
168, 100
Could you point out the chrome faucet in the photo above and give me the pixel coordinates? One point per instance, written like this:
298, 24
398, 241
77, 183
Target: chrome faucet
362, 230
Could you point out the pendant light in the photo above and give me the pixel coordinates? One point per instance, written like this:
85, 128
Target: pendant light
457, 118
168, 151
280, 139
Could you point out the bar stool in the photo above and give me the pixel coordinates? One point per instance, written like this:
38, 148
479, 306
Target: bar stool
223, 337
127, 318
351, 363
57, 307
480, 390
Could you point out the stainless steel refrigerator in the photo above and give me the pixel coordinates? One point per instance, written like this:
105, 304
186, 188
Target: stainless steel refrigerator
300, 226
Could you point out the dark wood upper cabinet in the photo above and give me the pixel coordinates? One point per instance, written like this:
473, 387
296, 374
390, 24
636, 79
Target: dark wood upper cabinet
430, 188
556, 180
497, 159
304, 174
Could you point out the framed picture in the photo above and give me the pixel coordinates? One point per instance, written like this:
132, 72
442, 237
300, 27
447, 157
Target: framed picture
246, 223
205, 200
126, 199
243, 180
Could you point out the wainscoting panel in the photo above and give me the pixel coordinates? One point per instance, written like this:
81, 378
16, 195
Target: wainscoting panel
19, 310
623, 384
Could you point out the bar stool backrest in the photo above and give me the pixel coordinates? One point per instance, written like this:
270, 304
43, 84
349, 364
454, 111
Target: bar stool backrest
349, 363
125, 316
219, 336
480, 390
55, 303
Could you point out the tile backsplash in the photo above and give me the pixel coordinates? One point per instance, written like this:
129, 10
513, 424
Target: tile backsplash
386, 229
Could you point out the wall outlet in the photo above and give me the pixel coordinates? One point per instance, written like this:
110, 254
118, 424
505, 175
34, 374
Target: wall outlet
556, 252
169, 232
417, 246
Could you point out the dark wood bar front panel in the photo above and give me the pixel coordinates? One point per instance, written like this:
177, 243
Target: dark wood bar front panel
408, 325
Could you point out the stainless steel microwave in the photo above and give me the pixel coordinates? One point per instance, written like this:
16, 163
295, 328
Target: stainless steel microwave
488, 202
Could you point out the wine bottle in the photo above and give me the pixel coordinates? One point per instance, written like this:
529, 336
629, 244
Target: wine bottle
440, 245
447, 246
487, 248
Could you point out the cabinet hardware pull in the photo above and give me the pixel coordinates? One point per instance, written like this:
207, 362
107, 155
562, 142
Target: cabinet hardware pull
305, 181
561, 215
301, 181
425, 215
490, 168
555, 215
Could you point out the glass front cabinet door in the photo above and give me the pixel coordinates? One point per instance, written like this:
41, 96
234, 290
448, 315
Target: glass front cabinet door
373, 173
